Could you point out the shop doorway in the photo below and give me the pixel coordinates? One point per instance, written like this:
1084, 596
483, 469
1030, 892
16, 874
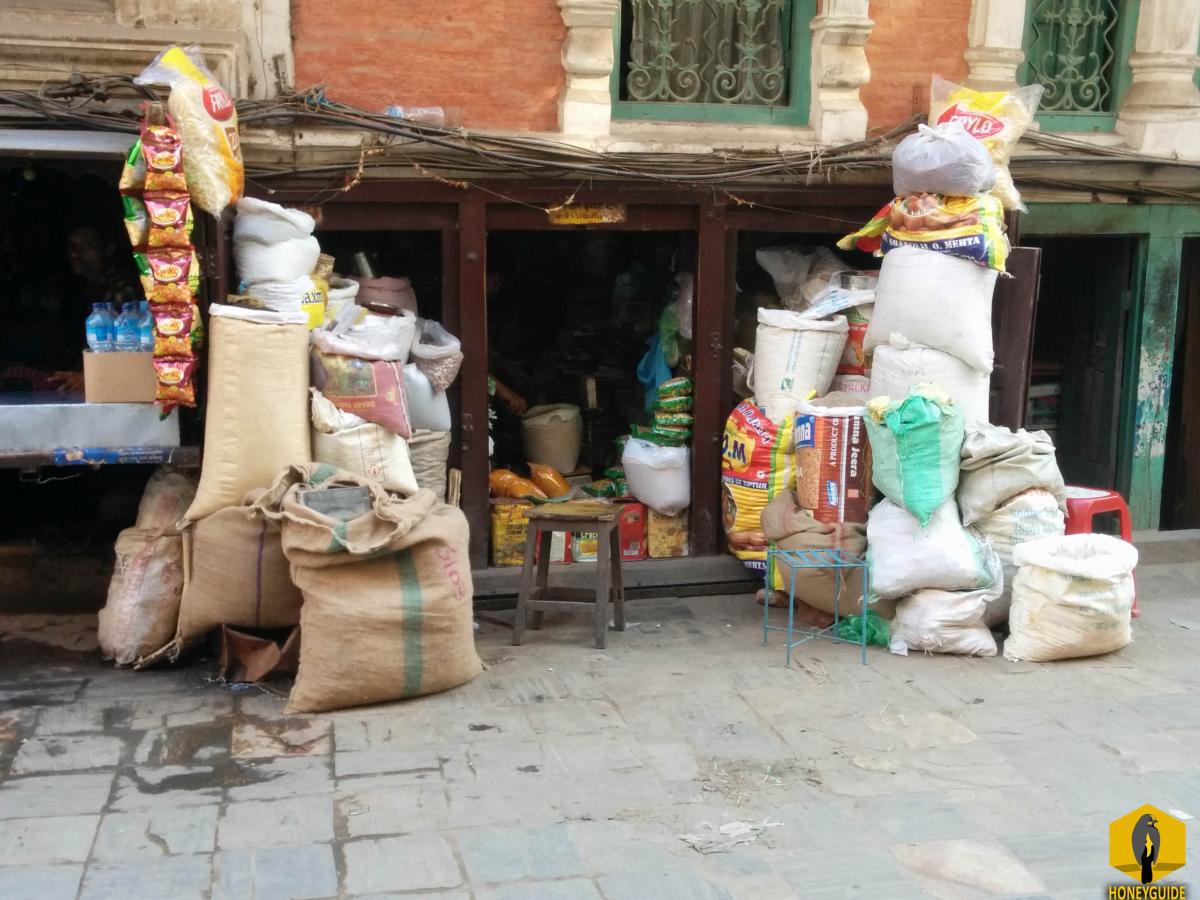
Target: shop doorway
1077, 377
1181, 472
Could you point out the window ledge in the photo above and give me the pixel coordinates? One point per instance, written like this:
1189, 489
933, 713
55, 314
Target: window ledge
703, 137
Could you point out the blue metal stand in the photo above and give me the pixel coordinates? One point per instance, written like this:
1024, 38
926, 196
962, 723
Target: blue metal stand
789, 562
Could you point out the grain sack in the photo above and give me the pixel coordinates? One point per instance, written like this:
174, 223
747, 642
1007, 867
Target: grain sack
165, 499
429, 453
368, 335
387, 589
901, 365
946, 621
937, 301
282, 261
915, 446
1029, 516
660, 477
905, 557
256, 422
269, 223
833, 460
238, 576
998, 463
347, 442
552, 435
790, 527
368, 388
757, 463
794, 357
1072, 597
437, 353
143, 596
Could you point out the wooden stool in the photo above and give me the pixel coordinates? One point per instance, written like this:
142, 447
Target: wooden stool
578, 516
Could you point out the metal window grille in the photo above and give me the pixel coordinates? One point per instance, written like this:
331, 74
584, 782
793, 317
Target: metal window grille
733, 52
1073, 52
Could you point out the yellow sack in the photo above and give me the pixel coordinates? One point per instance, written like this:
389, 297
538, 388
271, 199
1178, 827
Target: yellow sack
757, 463
996, 118
207, 120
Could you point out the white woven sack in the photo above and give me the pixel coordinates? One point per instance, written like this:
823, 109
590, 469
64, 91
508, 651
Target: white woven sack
945, 622
269, 223
343, 440
935, 300
793, 357
900, 364
256, 423
903, 557
1072, 597
282, 261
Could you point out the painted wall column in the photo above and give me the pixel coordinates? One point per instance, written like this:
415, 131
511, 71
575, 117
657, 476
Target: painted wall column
1161, 112
587, 56
995, 35
839, 69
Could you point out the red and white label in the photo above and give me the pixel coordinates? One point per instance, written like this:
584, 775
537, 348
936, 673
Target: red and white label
218, 103
979, 125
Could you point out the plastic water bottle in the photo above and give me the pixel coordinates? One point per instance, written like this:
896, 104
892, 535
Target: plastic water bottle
99, 329
127, 336
145, 328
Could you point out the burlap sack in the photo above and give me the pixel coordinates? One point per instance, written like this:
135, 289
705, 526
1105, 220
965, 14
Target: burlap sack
238, 576
997, 464
143, 596
790, 527
387, 592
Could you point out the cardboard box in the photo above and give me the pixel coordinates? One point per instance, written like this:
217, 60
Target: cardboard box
510, 528
633, 530
119, 377
585, 546
667, 536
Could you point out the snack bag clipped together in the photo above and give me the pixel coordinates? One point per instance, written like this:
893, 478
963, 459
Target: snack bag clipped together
207, 121
996, 118
970, 228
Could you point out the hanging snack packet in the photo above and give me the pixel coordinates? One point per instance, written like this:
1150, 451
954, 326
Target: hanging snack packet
170, 275
173, 330
996, 118
163, 150
176, 384
133, 175
170, 219
137, 223
207, 120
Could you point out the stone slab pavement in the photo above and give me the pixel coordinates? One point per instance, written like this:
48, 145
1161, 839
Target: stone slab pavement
566, 773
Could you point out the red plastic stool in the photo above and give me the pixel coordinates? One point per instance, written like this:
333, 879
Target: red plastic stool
1085, 503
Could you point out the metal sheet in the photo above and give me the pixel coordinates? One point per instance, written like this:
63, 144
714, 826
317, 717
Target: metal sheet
32, 422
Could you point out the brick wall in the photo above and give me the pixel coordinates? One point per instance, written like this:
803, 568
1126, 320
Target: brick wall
912, 40
492, 64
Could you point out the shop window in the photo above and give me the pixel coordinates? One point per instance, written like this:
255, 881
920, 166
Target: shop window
1079, 50
742, 61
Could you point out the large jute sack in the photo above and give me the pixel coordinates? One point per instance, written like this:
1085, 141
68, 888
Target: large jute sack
345, 441
237, 576
903, 556
256, 422
915, 448
387, 589
900, 365
935, 300
998, 463
143, 596
788, 526
794, 356
429, 453
1072, 597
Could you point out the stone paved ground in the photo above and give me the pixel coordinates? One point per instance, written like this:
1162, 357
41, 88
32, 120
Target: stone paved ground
566, 773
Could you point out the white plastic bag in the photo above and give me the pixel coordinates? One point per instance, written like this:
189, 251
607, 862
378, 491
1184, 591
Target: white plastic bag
437, 353
1072, 597
142, 609
295, 296
945, 622
904, 557
282, 261
355, 445
900, 365
684, 302
342, 293
942, 159
788, 268
935, 300
368, 335
838, 295
794, 357
269, 223
998, 463
427, 408
660, 477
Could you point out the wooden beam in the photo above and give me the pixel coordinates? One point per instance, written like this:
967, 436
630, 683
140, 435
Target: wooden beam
712, 334
472, 422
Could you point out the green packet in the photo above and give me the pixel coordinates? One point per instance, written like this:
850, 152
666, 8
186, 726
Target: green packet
674, 387
672, 420
674, 404
664, 437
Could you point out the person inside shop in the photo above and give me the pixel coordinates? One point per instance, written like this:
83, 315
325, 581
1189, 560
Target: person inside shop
512, 404
101, 270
